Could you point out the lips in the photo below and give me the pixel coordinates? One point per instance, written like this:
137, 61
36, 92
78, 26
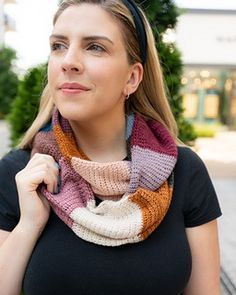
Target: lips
73, 86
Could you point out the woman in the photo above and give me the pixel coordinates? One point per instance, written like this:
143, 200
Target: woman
130, 211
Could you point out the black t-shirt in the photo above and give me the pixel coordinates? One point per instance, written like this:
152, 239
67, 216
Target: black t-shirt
62, 263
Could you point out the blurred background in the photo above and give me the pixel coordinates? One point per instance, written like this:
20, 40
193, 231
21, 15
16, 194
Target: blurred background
196, 41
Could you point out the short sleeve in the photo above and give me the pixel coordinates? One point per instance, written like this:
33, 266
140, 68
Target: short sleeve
10, 165
201, 202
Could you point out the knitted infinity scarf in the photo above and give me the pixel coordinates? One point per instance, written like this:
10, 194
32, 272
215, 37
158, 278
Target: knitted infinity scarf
136, 193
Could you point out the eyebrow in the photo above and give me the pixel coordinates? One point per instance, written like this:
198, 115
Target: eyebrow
89, 38
57, 36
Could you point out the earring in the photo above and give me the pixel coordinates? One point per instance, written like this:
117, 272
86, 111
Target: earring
127, 96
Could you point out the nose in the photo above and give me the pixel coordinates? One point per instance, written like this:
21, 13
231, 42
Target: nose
72, 61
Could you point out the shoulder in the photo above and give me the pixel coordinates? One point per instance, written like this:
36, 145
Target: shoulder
193, 183
190, 170
187, 154
10, 165
15, 160
188, 161
17, 154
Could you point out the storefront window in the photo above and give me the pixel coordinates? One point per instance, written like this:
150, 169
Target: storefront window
209, 95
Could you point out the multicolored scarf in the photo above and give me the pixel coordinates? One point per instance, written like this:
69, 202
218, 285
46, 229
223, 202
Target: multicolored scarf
135, 193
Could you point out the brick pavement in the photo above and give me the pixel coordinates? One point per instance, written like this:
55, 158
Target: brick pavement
226, 190
219, 155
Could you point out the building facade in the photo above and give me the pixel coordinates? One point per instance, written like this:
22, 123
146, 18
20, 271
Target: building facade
2, 29
6, 22
207, 41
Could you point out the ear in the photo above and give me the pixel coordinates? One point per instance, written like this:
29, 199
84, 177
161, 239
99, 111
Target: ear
134, 78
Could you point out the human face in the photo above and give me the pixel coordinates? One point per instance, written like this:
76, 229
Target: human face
88, 67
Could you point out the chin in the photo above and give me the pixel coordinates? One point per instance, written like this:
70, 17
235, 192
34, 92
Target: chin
72, 113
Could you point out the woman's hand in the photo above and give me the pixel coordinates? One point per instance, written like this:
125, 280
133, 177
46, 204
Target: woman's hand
34, 207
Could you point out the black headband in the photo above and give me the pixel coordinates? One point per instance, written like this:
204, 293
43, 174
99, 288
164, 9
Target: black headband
140, 28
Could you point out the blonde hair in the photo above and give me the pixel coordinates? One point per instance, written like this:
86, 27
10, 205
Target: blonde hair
150, 99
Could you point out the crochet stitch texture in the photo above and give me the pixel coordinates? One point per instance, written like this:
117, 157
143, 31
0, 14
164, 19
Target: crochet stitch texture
135, 193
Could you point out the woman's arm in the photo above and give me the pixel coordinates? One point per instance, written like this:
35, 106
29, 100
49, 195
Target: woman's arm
204, 246
15, 250
16, 246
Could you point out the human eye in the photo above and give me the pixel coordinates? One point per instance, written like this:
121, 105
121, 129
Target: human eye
55, 46
96, 48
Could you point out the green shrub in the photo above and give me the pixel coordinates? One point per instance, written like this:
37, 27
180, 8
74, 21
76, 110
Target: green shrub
187, 131
206, 130
25, 107
8, 80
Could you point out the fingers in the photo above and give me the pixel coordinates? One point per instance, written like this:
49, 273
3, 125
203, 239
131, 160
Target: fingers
40, 169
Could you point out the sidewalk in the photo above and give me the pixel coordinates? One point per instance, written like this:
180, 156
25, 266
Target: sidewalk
219, 155
4, 138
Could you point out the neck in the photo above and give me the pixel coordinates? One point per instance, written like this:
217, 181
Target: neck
102, 140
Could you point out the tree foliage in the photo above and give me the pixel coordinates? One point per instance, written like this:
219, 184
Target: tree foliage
163, 15
26, 104
8, 79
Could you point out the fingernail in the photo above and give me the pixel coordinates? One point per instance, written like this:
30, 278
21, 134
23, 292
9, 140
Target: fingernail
56, 191
59, 186
57, 165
